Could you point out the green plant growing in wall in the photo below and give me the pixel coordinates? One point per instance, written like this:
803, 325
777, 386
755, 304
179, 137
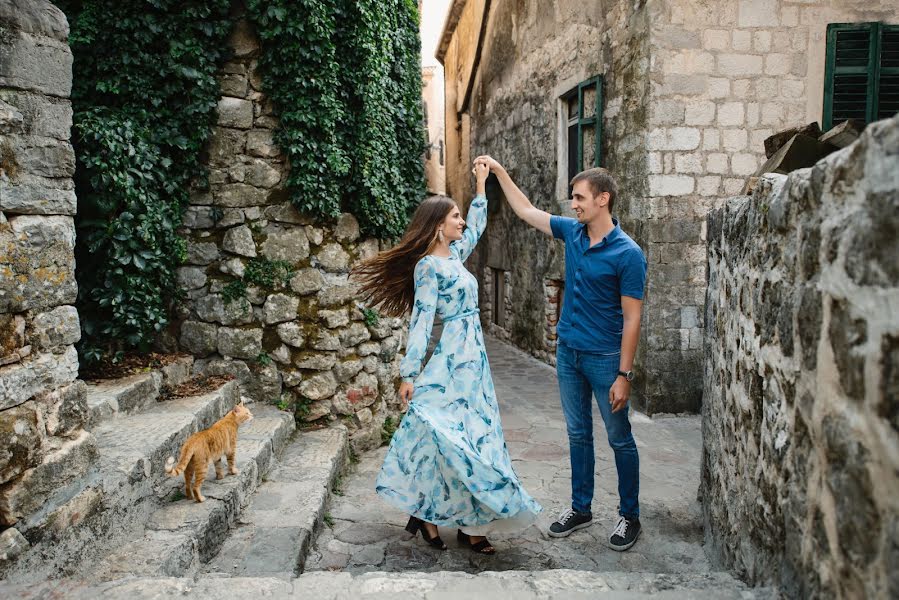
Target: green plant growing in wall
371, 316
144, 96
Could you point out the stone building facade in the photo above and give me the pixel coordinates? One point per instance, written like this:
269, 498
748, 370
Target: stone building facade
800, 470
689, 91
302, 341
42, 403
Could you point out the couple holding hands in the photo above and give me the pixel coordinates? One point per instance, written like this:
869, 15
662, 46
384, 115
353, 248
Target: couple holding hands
447, 464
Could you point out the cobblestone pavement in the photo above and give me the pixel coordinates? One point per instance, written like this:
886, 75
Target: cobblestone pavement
366, 534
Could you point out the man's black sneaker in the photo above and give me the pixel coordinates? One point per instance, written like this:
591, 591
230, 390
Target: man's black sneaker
625, 534
570, 520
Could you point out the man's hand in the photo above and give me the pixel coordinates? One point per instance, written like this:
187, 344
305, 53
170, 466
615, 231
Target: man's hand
405, 393
489, 161
619, 393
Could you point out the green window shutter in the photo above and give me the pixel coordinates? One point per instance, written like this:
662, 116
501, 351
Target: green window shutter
589, 125
888, 85
861, 79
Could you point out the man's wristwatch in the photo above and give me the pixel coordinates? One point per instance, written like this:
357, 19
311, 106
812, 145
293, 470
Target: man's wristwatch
629, 375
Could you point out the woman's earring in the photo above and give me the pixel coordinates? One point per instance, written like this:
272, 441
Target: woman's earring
440, 235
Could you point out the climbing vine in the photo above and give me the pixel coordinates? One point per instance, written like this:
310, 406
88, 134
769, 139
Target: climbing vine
144, 98
345, 79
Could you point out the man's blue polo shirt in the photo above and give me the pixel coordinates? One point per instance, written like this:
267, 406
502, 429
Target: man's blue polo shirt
595, 280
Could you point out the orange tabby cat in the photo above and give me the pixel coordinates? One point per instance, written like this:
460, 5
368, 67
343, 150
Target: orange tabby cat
209, 445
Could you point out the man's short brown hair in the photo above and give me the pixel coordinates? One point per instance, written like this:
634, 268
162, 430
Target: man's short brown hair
600, 180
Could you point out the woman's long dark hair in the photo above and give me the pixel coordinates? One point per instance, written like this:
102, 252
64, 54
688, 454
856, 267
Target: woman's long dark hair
387, 280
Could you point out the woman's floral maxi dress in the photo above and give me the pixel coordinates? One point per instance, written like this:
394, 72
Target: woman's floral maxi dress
448, 463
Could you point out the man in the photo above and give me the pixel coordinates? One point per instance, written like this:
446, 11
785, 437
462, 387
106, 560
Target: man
605, 272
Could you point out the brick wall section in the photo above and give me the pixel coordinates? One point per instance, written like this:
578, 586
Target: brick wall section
43, 445
800, 471
304, 343
724, 76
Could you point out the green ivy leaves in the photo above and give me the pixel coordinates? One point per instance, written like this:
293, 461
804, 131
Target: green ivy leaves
345, 78
144, 97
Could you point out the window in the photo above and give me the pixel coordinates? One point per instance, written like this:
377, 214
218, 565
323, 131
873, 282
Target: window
861, 77
499, 297
583, 106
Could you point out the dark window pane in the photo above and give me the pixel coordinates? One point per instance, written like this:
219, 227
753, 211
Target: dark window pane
572, 155
852, 48
889, 49
849, 97
888, 99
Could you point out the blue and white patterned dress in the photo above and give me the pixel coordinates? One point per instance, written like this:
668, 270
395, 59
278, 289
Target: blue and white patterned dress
448, 463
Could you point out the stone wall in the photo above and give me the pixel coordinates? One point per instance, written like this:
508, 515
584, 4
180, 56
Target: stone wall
724, 76
42, 404
304, 342
800, 472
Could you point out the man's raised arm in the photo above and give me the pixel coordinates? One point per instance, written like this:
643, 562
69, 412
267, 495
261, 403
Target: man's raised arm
526, 211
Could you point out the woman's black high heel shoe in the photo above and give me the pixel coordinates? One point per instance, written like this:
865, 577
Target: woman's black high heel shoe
415, 525
482, 547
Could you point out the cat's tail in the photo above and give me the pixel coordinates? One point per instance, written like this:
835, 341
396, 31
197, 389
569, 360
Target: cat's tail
174, 470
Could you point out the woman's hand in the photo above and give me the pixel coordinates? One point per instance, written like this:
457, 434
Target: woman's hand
481, 171
406, 393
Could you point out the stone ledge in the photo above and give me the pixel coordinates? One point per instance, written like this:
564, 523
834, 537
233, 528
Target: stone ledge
522, 585
108, 399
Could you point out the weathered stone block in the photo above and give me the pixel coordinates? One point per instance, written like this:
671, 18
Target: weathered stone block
261, 143
36, 63
739, 64
215, 308
201, 253
319, 387
65, 409
307, 281
39, 156
334, 318
239, 343
317, 361
27, 493
279, 308
285, 243
675, 138
191, 278
347, 228
239, 240
291, 334
243, 39
235, 112
670, 185
56, 328
234, 85
38, 114
200, 339
261, 174
35, 195
12, 544
225, 144
36, 374
239, 195
21, 429
38, 17
334, 258
39, 263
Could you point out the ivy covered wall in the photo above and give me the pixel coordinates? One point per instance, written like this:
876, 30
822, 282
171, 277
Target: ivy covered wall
344, 84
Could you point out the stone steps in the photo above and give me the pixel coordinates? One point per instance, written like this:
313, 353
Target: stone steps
111, 398
274, 533
520, 585
121, 489
182, 534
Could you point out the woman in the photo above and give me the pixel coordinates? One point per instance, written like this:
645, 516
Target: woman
447, 463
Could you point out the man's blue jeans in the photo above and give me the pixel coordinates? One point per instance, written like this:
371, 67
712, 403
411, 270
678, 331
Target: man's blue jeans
581, 376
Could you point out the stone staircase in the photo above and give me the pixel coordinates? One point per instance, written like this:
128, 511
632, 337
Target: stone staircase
127, 518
